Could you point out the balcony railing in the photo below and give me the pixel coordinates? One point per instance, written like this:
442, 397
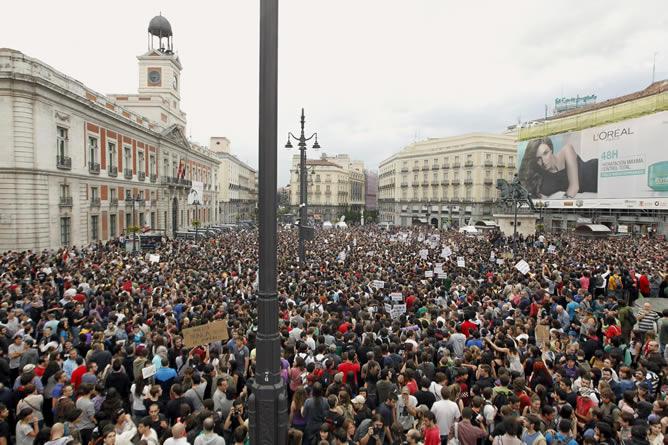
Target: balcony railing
65, 201
64, 162
468, 181
404, 169
113, 202
445, 182
456, 165
489, 181
416, 168
112, 171
127, 173
501, 164
425, 183
141, 176
153, 177
425, 167
489, 164
94, 167
446, 165
95, 202
435, 167
455, 181
404, 184
468, 164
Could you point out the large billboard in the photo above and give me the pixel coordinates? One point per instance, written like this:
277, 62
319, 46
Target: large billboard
619, 165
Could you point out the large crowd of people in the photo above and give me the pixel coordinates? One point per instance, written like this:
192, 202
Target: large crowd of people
408, 335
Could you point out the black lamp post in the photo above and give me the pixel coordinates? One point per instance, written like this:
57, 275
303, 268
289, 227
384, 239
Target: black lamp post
303, 185
268, 402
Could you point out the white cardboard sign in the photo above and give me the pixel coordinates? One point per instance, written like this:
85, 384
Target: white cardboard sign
523, 267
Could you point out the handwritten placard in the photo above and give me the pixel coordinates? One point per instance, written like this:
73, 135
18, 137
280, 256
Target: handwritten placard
378, 284
148, 371
424, 253
429, 274
523, 267
205, 334
461, 262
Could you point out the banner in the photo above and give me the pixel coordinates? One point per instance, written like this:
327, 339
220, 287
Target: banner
619, 165
196, 194
205, 334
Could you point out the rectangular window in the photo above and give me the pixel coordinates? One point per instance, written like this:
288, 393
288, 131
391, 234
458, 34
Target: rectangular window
113, 193
488, 173
469, 158
140, 157
127, 158
94, 193
488, 156
61, 144
128, 220
468, 174
142, 221
112, 226
64, 190
94, 227
111, 149
500, 159
153, 221
65, 227
151, 164
92, 149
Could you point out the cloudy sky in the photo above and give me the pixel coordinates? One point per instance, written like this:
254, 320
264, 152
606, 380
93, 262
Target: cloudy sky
373, 75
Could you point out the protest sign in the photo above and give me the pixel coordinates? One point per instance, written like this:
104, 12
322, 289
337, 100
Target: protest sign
388, 308
500, 261
446, 252
424, 253
542, 335
442, 275
397, 296
205, 334
523, 267
153, 258
428, 273
461, 262
378, 284
148, 371
551, 248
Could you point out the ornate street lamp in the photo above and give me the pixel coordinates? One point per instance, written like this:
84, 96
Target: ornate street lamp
303, 185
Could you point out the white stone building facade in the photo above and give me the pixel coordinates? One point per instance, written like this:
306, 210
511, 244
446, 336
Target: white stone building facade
237, 185
445, 181
80, 167
335, 183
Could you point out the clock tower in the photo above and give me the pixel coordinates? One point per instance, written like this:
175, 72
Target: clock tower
159, 97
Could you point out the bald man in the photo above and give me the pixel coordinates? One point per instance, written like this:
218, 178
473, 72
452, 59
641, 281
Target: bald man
58, 436
178, 435
208, 437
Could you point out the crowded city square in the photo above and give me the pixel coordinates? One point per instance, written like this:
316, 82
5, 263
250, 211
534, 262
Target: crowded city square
407, 335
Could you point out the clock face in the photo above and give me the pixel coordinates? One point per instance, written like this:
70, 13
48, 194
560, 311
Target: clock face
154, 77
175, 82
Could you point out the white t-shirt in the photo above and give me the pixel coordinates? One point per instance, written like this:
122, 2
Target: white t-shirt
447, 413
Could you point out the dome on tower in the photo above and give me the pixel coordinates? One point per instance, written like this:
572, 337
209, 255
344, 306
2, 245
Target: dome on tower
160, 27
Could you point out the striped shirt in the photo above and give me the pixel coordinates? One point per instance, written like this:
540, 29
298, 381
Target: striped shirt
647, 321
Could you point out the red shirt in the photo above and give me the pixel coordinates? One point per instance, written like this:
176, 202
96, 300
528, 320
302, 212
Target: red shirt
412, 386
343, 327
410, 301
347, 367
432, 436
467, 326
643, 283
77, 374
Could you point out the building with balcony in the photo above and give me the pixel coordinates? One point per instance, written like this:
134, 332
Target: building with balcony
445, 181
335, 184
371, 190
73, 158
237, 185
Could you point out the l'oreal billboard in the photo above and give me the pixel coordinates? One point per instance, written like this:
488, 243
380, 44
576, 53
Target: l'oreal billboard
619, 165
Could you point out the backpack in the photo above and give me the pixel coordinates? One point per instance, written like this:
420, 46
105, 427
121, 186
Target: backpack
500, 400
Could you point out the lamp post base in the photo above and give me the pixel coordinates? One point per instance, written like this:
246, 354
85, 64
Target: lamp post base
268, 410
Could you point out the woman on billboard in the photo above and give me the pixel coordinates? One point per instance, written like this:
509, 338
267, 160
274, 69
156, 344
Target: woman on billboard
546, 173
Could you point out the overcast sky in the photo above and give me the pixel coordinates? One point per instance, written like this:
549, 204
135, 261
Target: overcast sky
373, 76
